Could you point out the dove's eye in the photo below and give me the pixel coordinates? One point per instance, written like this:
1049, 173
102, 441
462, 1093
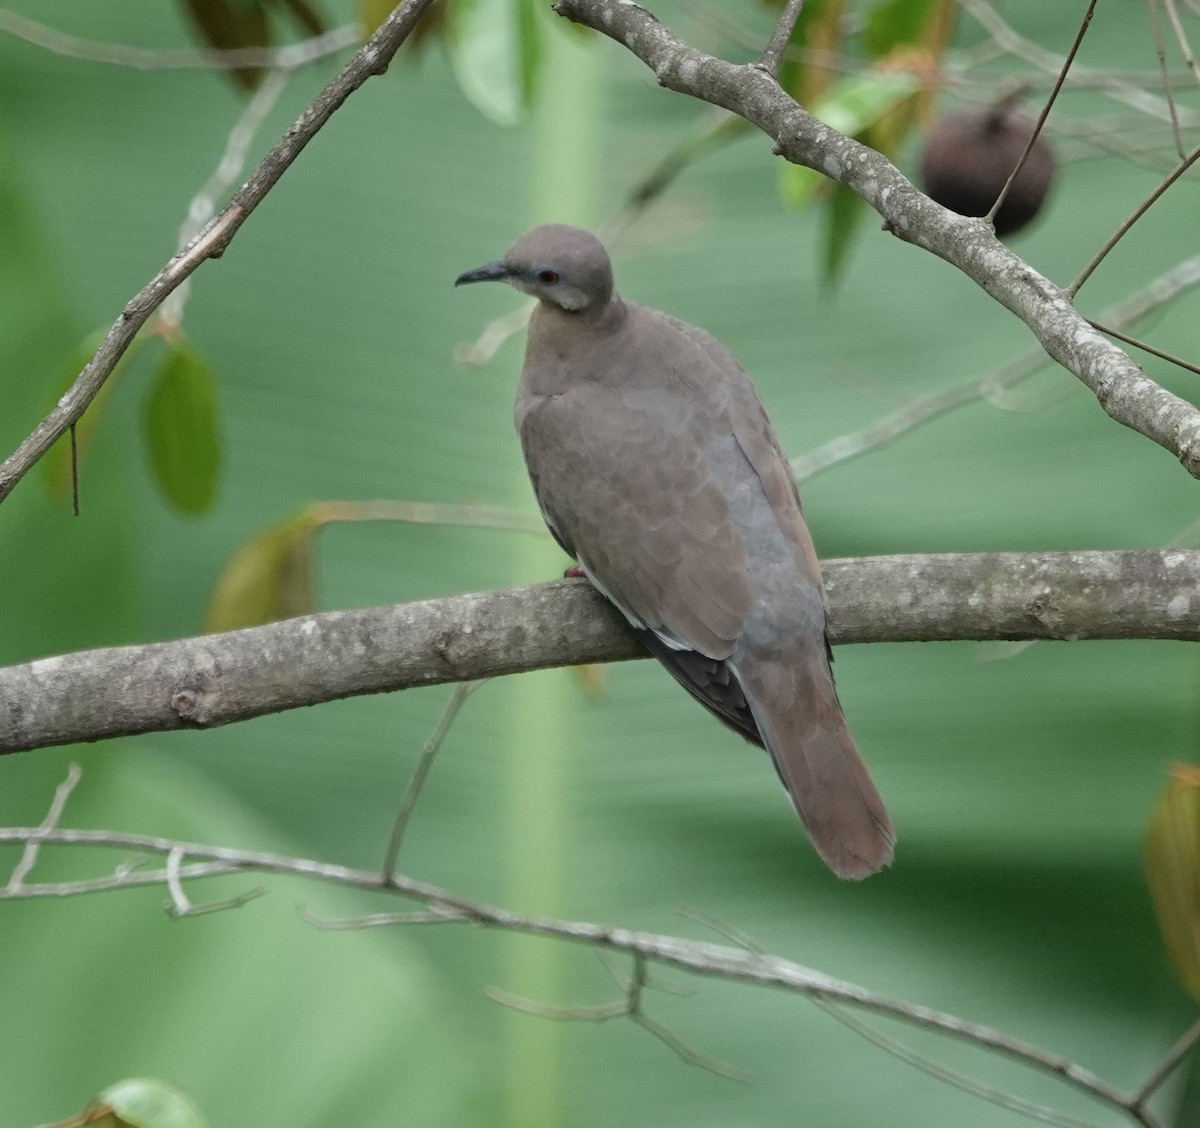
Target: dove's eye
547, 277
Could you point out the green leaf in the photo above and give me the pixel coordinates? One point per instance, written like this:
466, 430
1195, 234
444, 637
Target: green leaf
894, 23
270, 577
306, 16
843, 213
180, 422
1172, 853
529, 17
861, 100
489, 56
851, 107
372, 13
56, 463
230, 24
145, 1102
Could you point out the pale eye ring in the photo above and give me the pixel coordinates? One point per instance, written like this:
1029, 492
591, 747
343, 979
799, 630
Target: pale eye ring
547, 277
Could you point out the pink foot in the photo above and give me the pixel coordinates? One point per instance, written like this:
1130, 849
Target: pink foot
575, 573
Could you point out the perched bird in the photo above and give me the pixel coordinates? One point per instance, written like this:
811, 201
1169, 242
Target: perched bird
656, 468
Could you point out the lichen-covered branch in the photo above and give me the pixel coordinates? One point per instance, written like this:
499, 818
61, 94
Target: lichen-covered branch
1124, 391
218, 679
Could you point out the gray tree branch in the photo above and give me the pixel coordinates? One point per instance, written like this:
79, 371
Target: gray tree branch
749, 965
373, 58
219, 679
1125, 392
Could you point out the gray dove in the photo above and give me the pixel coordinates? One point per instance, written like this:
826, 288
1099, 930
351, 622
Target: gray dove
657, 469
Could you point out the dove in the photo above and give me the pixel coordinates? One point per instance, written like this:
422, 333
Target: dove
656, 468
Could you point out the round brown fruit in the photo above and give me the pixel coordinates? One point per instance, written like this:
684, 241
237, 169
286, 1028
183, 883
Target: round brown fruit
971, 153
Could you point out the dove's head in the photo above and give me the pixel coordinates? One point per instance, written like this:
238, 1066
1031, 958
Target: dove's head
563, 266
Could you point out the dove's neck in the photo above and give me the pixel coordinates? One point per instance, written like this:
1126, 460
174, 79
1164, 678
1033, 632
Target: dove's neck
557, 334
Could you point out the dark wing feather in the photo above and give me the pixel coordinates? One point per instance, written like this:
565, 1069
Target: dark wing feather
710, 681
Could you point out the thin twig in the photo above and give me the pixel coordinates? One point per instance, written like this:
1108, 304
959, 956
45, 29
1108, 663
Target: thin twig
1137, 344
773, 53
1037, 129
429, 513
698, 957
179, 904
1121, 387
372, 59
142, 58
413, 792
630, 1007
493, 335
1131, 219
74, 473
1178, 280
1185, 48
717, 131
1166, 1067
58, 804
1161, 51
951, 1076
228, 171
1114, 86
602, 1012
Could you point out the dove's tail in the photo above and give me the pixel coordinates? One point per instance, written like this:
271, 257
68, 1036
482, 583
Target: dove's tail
796, 709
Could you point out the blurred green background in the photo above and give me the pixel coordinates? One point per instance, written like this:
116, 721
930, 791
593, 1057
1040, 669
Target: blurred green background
1020, 785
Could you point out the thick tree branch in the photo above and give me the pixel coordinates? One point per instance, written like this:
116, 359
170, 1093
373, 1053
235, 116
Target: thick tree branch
218, 679
372, 59
1124, 391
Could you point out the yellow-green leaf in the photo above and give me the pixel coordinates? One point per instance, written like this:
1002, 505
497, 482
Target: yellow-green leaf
146, 1102
843, 213
893, 23
851, 107
484, 38
230, 24
591, 678
1172, 854
270, 577
56, 463
306, 16
372, 13
182, 436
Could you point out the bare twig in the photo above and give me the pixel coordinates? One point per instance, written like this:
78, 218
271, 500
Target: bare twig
372, 59
773, 53
921, 409
219, 679
180, 906
290, 57
1174, 1057
951, 1076
228, 169
1131, 219
1171, 357
712, 960
493, 335
1185, 48
429, 513
58, 804
1041, 121
1124, 391
1160, 50
713, 134
413, 792
1115, 86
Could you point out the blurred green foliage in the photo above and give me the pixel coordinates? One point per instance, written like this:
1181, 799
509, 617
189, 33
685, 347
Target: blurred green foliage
1020, 787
